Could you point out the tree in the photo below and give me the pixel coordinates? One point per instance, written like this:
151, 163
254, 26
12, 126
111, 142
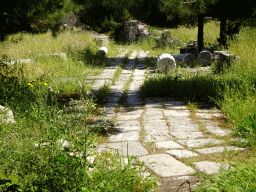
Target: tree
35, 16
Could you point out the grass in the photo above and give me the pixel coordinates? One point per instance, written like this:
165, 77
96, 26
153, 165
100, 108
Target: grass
44, 118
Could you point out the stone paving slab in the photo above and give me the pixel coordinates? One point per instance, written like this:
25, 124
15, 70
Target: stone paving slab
182, 127
174, 105
214, 128
187, 135
182, 153
159, 134
176, 113
154, 123
165, 165
168, 145
127, 117
209, 167
127, 125
208, 115
125, 135
134, 148
134, 112
218, 149
199, 142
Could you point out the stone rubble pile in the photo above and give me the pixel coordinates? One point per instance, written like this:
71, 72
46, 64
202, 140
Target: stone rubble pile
134, 30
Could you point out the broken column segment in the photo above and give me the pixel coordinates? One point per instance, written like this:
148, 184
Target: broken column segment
204, 57
166, 62
186, 58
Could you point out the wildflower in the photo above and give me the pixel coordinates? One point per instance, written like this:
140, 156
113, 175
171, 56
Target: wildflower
40, 83
34, 80
29, 84
45, 84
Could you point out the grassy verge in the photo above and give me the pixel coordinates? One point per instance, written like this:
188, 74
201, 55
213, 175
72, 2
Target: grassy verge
52, 145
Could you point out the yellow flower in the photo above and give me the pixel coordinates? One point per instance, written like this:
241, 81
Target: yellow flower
29, 84
40, 83
45, 84
34, 80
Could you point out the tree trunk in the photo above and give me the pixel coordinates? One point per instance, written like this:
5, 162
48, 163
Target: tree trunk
200, 37
223, 31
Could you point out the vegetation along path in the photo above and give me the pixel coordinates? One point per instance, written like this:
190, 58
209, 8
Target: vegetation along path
171, 139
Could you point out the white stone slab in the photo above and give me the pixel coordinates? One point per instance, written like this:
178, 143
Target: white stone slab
168, 145
155, 123
125, 136
199, 142
209, 167
134, 148
187, 135
127, 117
160, 134
181, 153
218, 149
175, 105
181, 124
176, 113
165, 165
214, 128
208, 115
127, 125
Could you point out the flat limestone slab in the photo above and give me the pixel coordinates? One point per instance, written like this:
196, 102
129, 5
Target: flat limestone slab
208, 115
125, 136
134, 148
176, 113
199, 142
218, 149
160, 134
128, 125
127, 117
165, 165
181, 124
181, 153
214, 128
168, 145
154, 123
209, 167
187, 135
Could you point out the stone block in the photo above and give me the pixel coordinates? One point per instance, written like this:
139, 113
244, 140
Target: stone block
186, 58
103, 50
187, 135
101, 40
6, 115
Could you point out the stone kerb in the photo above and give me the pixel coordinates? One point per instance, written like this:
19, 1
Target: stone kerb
6, 115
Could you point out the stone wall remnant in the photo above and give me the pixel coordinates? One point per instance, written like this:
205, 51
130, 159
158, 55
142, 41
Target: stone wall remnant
224, 56
134, 30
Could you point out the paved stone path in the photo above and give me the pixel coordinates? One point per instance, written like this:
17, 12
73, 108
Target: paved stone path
165, 123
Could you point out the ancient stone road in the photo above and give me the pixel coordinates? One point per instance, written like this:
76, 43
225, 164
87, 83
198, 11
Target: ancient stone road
166, 123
